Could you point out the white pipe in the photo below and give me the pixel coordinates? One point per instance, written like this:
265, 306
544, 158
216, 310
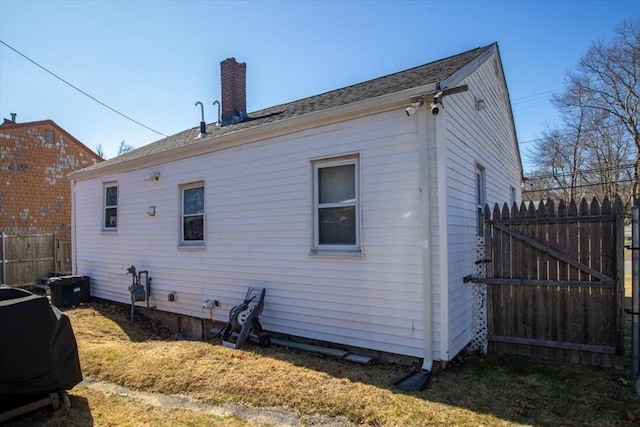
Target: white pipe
425, 209
219, 115
74, 225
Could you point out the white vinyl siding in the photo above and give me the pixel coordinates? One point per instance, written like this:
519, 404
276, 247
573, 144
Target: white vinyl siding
258, 199
473, 138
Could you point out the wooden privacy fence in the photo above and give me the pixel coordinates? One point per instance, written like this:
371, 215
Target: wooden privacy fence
555, 283
24, 259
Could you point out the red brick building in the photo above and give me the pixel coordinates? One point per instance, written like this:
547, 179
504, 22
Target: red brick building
35, 159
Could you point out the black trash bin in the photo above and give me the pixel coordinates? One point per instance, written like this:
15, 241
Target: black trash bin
69, 291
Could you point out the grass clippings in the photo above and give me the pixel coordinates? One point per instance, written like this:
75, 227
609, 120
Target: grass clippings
472, 390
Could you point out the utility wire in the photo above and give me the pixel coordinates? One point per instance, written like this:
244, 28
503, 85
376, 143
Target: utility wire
81, 91
571, 134
618, 168
575, 186
534, 96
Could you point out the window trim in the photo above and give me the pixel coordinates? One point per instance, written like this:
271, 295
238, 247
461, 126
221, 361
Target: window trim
192, 244
105, 186
326, 249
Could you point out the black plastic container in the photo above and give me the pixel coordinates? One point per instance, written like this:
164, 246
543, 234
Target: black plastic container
70, 291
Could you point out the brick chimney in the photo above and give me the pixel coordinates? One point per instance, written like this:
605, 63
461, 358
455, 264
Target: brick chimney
233, 76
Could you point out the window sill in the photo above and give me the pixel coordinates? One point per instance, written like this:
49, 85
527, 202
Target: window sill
192, 247
336, 253
108, 231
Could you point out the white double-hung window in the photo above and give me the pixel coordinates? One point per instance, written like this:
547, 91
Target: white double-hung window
336, 206
192, 218
110, 216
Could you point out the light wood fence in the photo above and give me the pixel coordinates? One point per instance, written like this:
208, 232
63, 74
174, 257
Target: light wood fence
24, 259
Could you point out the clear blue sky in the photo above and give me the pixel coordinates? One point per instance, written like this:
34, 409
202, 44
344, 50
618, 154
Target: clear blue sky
152, 60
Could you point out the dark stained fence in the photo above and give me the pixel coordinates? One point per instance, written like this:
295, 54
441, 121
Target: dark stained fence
24, 259
555, 283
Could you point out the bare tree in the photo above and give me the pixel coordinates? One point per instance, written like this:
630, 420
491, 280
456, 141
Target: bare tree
100, 151
559, 159
124, 148
596, 150
607, 81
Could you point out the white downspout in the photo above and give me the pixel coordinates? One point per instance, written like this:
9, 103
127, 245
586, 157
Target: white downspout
74, 261
425, 210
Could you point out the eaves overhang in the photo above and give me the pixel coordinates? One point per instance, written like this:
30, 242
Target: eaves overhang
367, 107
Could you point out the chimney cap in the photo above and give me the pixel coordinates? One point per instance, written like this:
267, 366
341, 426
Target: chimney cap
232, 59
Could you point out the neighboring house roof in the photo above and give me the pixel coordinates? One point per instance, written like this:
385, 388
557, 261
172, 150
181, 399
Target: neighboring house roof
8, 125
431, 73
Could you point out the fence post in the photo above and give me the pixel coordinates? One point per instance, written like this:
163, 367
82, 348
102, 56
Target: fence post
3, 237
635, 288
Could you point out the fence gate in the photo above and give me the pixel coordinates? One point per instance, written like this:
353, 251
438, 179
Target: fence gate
555, 281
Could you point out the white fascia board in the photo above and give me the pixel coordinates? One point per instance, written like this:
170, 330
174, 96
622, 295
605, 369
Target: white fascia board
460, 75
464, 72
303, 122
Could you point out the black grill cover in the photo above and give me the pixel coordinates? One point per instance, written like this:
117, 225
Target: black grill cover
38, 351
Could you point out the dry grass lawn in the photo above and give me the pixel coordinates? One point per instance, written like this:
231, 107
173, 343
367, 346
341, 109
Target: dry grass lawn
316, 390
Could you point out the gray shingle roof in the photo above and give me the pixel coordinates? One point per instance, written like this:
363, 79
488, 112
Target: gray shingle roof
430, 73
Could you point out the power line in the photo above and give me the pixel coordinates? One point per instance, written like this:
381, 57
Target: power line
80, 90
572, 134
531, 106
575, 186
619, 168
534, 96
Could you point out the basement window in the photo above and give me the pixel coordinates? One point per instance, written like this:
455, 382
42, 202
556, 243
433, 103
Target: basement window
336, 211
110, 222
192, 217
